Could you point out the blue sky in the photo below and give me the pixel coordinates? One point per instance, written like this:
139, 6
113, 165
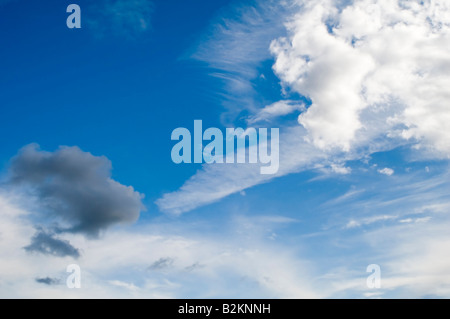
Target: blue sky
357, 88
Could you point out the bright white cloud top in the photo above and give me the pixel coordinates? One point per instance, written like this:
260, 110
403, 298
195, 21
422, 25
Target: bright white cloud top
370, 57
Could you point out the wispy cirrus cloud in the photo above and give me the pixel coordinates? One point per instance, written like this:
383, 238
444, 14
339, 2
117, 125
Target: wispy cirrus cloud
127, 18
368, 220
236, 46
399, 225
202, 189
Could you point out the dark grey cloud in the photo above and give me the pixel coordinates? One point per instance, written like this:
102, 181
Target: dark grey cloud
47, 244
48, 281
74, 189
161, 264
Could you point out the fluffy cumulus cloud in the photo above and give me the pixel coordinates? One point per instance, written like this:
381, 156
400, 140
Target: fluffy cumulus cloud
369, 58
74, 190
386, 171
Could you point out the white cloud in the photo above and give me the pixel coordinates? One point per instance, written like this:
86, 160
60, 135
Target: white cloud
414, 264
386, 171
126, 285
372, 56
416, 220
339, 169
18, 269
369, 220
407, 240
327, 70
215, 182
275, 110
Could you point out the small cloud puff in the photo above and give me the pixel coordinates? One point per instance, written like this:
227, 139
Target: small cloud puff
386, 171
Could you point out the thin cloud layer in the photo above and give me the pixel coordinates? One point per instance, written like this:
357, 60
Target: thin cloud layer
74, 189
128, 18
239, 262
201, 266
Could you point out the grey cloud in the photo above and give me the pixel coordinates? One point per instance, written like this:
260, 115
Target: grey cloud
161, 264
48, 281
75, 189
194, 267
45, 243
